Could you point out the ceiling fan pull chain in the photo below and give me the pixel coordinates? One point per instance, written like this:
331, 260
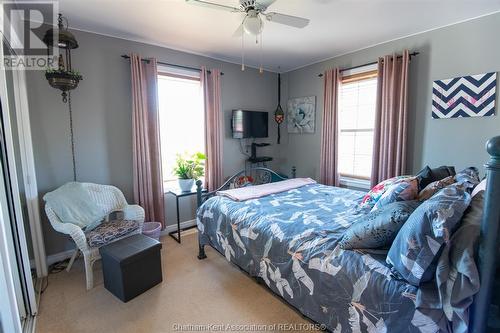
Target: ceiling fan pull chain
261, 70
242, 50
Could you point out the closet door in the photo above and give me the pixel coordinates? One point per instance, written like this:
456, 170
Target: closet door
10, 308
20, 220
11, 249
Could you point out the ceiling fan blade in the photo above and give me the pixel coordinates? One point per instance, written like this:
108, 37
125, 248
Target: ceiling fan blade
239, 31
213, 5
293, 21
263, 4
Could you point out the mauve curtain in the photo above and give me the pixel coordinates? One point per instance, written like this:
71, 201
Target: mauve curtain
211, 85
328, 173
391, 119
147, 173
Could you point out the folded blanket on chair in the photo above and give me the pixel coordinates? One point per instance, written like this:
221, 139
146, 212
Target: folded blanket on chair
72, 203
257, 191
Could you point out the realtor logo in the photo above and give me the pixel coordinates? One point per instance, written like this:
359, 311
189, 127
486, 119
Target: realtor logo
24, 25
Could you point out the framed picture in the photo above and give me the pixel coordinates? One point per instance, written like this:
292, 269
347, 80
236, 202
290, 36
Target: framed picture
301, 114
465, 96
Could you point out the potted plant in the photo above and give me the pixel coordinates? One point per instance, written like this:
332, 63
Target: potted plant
189, 168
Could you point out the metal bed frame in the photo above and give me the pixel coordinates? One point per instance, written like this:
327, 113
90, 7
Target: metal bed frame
260, 175
489, 236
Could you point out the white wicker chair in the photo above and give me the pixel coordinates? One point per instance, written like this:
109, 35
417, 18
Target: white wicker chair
112, 199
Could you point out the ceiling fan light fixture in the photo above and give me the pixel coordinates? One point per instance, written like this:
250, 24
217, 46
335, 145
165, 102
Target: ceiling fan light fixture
253, 24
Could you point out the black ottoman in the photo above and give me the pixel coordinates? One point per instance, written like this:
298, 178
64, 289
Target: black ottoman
131, 266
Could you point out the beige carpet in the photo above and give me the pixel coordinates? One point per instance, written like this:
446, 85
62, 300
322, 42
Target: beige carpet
211, 291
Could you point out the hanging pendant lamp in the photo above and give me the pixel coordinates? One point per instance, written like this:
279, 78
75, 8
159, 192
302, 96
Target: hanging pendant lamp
64, 77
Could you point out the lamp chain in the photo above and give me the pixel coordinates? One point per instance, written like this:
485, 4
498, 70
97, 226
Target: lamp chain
72, 136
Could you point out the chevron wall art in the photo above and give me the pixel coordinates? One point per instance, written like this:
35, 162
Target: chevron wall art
466, 96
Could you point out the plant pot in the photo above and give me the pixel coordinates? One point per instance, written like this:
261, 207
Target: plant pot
186, 184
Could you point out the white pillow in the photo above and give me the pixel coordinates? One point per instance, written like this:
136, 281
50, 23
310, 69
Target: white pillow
480, 187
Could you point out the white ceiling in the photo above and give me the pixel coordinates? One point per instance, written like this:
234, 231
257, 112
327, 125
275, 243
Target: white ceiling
336, 27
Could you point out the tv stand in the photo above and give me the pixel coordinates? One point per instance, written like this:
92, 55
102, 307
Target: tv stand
262, 159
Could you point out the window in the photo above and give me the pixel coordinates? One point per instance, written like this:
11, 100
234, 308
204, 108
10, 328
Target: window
180, 99
357, 99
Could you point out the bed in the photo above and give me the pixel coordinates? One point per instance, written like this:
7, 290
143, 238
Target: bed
289, 241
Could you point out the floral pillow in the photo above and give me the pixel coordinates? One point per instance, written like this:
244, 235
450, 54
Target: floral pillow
403, 190
433, 187
469, 177
419, 242
378, 228
371, 198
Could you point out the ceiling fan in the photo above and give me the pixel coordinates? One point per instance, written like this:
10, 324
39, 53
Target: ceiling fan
254, 10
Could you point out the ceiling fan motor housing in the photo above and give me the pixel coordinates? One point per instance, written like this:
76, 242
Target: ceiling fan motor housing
247, 5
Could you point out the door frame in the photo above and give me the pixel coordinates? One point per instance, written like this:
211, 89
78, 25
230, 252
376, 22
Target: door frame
29, 172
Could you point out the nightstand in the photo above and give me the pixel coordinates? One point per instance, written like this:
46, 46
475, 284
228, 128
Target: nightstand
178, 193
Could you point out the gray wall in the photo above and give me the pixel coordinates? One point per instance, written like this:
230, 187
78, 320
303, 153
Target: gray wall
102, 119
463, 49
102, 109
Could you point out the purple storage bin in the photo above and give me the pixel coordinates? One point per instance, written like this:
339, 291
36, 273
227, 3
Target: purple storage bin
152, 229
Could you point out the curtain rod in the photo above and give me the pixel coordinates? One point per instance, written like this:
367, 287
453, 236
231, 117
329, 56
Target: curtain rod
168, 64
413, 54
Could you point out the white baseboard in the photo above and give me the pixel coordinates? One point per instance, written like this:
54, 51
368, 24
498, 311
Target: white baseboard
53, 258
173, 227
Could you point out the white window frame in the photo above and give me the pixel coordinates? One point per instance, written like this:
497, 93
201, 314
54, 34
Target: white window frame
352, 182
180, 72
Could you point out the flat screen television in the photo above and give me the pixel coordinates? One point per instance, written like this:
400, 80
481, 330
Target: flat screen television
249, 124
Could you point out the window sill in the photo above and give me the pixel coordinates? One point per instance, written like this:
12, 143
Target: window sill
173, 184
357, 183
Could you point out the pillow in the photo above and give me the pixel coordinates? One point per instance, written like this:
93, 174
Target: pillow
371, 198
405, 189
442, 172
467, 234
428, 175
457, 278
379, 228
424, 177
433, 187
480, 187
415, 250
72, 203
469, 177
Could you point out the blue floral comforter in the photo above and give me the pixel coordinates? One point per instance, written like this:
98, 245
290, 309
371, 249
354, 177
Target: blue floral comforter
290, 240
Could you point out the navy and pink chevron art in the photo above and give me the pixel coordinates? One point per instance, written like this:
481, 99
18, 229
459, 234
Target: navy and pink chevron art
466, 96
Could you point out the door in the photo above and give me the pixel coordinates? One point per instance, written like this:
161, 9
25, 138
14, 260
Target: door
20, 209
